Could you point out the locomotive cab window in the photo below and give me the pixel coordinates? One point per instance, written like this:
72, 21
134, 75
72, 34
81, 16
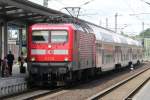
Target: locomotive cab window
40, 36
59, 36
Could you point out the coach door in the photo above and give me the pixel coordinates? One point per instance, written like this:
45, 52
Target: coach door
98, 54
117, 54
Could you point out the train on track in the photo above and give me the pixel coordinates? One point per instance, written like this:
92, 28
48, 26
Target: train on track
63, 53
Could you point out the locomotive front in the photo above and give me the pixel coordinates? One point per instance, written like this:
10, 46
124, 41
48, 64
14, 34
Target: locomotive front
49, 52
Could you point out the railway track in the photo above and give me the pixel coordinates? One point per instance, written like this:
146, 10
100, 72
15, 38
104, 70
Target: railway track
48, 92
125, 89
84, 91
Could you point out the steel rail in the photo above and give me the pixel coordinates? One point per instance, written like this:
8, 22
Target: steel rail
44, 94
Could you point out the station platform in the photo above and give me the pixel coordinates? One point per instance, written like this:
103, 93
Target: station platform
13, 84
144, 93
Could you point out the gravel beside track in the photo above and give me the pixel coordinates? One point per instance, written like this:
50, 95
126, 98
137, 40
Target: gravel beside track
87, 90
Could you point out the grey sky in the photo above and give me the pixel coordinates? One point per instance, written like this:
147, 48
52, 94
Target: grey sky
131, 13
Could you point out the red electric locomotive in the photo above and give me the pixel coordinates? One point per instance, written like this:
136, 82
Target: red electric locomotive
60, 53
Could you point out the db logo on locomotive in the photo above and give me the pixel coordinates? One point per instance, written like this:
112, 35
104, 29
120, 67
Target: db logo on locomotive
50, 51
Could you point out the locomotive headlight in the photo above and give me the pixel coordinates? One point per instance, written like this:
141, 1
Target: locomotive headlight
66, 59
32, 59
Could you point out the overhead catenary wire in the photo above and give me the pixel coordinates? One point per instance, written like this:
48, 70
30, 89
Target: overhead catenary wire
132, 10
60, 1
86, 13
75, 11
136, 16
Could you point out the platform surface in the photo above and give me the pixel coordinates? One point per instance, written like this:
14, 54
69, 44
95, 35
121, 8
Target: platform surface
144, 93
16, 71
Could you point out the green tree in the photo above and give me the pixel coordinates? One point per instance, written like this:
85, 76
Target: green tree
145, 33
122, 33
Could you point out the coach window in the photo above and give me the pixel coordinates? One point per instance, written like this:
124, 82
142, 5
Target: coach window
59, 36
40, 36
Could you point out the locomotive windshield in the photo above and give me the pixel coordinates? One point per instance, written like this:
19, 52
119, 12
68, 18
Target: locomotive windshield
49, 36
59, 36
40, 36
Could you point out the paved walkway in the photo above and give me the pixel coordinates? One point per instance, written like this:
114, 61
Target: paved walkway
144, 93
16, 71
